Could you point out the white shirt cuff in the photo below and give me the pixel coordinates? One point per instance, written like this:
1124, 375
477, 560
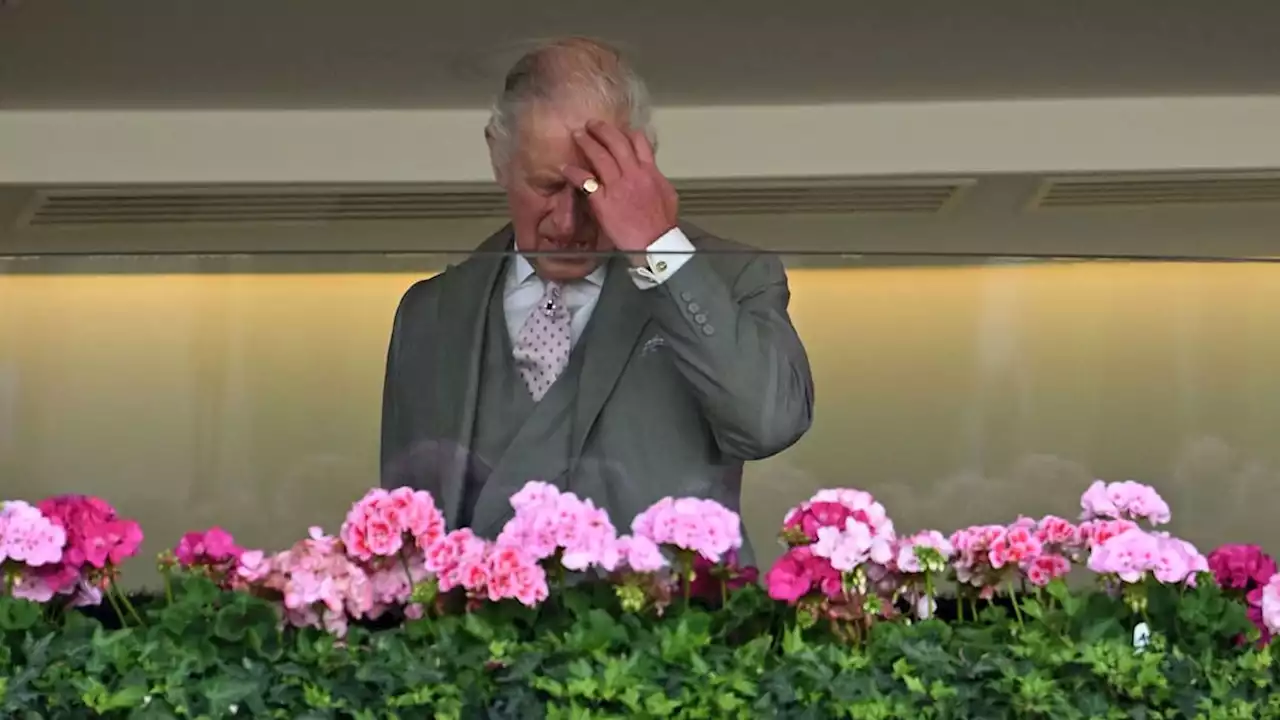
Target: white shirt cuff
664, 257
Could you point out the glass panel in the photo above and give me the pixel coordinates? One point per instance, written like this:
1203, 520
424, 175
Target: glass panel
246, 391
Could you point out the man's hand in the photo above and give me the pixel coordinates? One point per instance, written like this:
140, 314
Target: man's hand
635, 204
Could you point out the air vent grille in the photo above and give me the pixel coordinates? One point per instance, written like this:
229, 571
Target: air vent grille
1158, 191
124, 206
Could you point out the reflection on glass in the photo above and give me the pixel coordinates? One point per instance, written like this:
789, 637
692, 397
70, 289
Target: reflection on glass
249, 395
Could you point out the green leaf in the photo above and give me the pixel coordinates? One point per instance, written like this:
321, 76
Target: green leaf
17, 614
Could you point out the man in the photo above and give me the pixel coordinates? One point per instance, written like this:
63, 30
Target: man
617, 353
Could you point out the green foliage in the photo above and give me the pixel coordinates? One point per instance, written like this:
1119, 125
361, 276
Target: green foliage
212, 654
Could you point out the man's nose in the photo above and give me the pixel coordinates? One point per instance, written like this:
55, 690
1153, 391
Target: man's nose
569, 212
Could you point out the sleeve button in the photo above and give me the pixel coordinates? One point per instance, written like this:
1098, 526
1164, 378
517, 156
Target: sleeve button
708, 330
686, 296
700, 318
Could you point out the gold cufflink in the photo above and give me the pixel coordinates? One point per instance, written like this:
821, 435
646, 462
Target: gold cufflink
660, 266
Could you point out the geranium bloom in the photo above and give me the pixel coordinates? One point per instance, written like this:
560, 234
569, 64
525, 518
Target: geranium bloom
27, 537
701, 526
382, 522
799, 572
1132, 554
547, 522
1126, 500
317, 583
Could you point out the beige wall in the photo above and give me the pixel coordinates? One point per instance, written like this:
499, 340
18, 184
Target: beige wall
957, 394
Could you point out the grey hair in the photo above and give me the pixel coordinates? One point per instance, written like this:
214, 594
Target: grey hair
574, 69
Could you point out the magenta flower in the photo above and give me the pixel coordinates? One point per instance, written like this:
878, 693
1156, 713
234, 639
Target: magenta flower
798, 573
213, 547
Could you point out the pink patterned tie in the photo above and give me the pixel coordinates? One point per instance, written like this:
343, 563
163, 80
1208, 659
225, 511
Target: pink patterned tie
542, 348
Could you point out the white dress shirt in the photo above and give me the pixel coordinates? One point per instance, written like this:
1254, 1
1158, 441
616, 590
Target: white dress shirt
524, 288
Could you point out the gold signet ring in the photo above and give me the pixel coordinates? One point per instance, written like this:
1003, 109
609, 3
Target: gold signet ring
590, 185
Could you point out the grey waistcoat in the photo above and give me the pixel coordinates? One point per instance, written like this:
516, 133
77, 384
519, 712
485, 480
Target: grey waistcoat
505, 409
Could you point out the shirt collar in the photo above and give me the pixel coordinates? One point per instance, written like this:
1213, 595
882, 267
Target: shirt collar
522, 271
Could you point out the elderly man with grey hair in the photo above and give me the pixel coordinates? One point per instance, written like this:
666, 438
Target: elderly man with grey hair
595, 342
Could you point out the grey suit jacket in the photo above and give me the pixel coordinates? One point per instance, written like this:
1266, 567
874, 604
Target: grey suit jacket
680, 384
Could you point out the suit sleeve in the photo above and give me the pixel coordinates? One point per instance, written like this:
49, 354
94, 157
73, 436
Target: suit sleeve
735, 345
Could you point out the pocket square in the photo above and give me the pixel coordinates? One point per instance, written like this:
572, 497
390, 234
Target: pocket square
652, 344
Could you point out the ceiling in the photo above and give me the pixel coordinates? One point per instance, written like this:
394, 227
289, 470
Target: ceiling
426, 54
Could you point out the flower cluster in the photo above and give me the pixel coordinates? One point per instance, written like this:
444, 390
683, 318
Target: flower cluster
69, 545
1135, 553
550, 523
702, 527
27, 537
841, 548
1245, 570
317, 582
385, 522
484, 570
1126, 500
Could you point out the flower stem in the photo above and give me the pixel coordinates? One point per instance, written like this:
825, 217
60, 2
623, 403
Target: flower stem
404, 562
115, 605
686, 574
168, 587
1013, 598
125, 599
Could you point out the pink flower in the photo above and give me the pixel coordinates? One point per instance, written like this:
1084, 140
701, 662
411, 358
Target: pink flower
1044, 568
1241, 567
1270, 605
214, 546
1096, 532
515, 574
27, 537
95, 539
973, 555
1126, 500
316, 582
1132, 554
1058, 532
547, 522
641, 554
799, 572
453, 554
382, 522
393, 583
832, 508
704, 527
1014, 546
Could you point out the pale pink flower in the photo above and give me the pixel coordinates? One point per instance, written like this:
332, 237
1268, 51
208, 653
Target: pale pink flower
27, 537
641, 554
907, 557
1271, 604
1131, 555
1126, 500
702, 526
547, 522
316, 582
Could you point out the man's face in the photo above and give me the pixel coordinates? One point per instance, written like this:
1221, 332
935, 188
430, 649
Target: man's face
548, 213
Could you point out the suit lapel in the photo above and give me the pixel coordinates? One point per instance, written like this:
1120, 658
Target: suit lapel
612, 333
463, 310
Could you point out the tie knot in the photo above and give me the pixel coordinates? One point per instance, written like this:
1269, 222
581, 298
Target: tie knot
551, 297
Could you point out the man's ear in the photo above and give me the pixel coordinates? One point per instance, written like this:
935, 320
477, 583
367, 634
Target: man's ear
499, 171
